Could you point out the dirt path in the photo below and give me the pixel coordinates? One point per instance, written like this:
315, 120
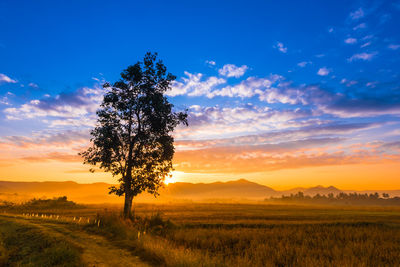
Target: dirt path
97, 251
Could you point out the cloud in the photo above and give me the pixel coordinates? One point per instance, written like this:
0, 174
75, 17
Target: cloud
4, 101
216, 121
245, 154
362, 56
300, 153
71, 105
5, 79
59, 145
323, 71
33, 85
365, 45
314, 144
357, 14
53, 156
275, 89
271, 89
280, 47
352, 108
394, 46
246, 88
283, 93
304, 63
193, 85
368, 37
211, 62
363, 105
371, 84
348, 83
48, 138
360, 26
312, 128
230, 70
350, 40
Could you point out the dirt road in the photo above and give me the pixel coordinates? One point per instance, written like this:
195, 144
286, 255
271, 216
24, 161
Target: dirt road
97, 250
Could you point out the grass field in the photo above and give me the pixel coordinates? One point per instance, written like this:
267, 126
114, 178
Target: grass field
25, 244
213, 235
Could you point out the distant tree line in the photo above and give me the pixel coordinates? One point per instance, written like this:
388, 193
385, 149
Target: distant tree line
38, 204
341, 198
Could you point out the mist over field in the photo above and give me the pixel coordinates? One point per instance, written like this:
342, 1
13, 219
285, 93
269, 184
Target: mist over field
236, 191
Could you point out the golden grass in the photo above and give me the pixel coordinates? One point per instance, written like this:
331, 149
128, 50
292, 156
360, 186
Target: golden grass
253, 235
272, 235
335, 244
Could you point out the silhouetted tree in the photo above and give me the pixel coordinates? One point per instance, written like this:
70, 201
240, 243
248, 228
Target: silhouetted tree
132, 138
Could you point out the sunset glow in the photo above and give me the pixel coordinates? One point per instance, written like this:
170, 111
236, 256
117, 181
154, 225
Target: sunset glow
265, 103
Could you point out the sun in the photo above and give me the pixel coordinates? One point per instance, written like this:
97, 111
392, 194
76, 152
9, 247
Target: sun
176, 176
169, 180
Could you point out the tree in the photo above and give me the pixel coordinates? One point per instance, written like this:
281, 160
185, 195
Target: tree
132, 139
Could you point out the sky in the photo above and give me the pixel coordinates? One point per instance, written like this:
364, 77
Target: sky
282, 93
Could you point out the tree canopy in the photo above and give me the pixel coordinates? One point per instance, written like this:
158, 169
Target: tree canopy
133, 137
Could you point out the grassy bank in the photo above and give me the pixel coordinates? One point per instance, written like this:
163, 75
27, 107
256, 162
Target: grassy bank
23, 244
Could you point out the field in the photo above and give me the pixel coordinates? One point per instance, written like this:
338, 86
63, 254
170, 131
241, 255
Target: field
202, 235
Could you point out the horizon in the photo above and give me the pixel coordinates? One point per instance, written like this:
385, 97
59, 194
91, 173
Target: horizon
283, 97
222, 182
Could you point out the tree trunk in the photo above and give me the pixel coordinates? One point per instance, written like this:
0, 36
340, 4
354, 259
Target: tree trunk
128, 205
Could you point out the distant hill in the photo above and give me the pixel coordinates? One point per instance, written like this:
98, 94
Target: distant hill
238, 190
98, 192
312, 191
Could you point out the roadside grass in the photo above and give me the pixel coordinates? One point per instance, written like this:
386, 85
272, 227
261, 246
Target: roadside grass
3, 254
27, 245
144, 238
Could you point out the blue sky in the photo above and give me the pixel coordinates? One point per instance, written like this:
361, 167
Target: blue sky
295, 71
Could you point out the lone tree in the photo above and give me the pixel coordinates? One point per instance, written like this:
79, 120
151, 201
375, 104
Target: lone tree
132, 139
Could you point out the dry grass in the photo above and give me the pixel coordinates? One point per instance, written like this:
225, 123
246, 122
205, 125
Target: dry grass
268, 235
336, 244
254, 235
26, 245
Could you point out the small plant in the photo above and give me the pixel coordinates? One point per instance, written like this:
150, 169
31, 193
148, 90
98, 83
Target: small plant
157, 225
3, 255
113, 225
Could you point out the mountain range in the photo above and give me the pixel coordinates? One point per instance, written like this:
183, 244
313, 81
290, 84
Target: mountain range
239, 190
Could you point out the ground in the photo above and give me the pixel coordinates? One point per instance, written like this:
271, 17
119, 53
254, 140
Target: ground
191, 234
